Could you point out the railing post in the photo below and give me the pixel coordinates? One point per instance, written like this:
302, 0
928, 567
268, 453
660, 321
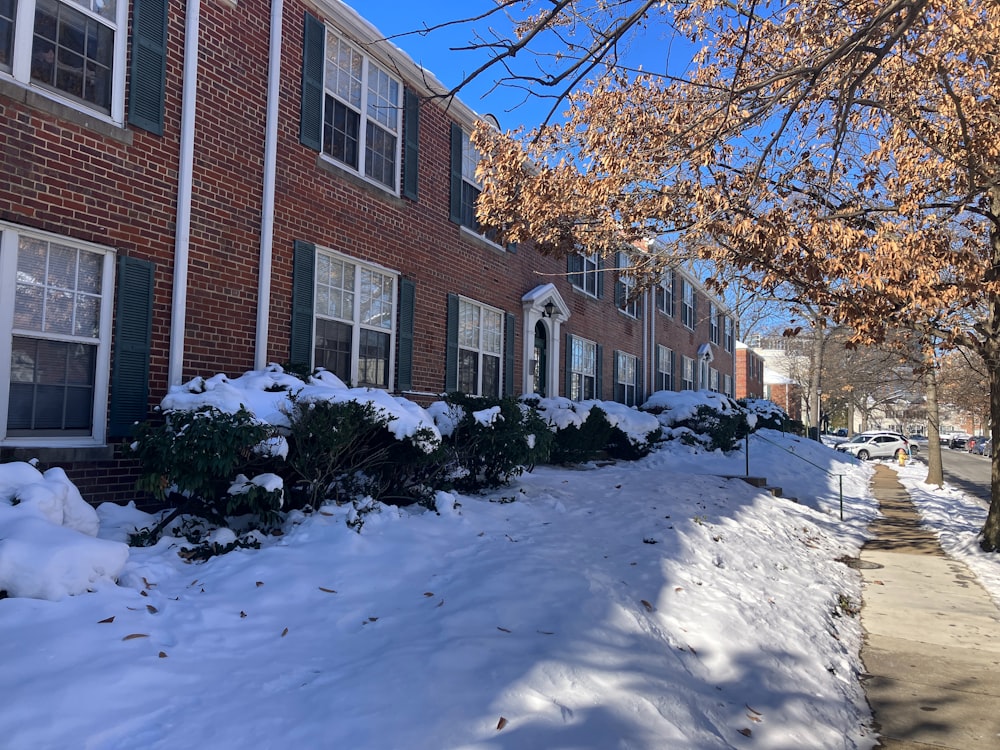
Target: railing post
841, 478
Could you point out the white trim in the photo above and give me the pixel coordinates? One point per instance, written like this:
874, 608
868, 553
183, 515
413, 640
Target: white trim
533, 309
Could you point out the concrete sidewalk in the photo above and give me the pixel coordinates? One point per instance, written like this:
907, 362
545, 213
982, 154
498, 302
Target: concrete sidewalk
932, 645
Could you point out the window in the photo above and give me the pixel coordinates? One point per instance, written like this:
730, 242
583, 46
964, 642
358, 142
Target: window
465, 186
627, 296
713, 323
583, 370
727, 385
687, 304
665, 293
355, 314
480, 349
626, 378
664, 368
727, 333
713, 379
687, 374
55, 331
362, 113
584, 273
74, 50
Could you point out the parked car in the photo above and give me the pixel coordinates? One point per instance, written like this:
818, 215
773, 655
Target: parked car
875, 445
975, 444
959, 441
985, 448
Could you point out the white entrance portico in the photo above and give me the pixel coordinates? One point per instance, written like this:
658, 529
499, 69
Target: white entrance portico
544, 313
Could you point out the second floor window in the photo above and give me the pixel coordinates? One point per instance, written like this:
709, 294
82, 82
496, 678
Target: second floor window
361, 113
687, 304
727, 333
627, 296
584, 273
713, 323
665, 293
67, 48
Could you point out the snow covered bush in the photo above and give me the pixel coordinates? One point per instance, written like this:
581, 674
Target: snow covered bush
344, 449
585, 430
706, 418
764, 414
489, 441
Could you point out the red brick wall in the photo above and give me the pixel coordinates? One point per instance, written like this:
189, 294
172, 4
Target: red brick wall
749, 374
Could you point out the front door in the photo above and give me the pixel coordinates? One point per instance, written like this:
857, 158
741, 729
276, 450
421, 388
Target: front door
541, 359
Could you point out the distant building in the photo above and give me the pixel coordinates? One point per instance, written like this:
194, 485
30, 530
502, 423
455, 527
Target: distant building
749, 372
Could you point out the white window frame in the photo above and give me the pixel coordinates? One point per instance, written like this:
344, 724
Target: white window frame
357, 326
687, 304
713, 379
727, 333
10, 236
666, 297
630, 299
627, 363
22, 57
363, 108
480, 348
583, 352
470, 161
713, 323
727, 385
588, 276
664, 372
687, 374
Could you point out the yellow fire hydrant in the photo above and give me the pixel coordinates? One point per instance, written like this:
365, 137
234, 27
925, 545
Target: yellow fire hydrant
901, 455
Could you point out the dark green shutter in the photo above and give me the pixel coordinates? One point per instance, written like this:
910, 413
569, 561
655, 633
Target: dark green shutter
568, 364
303, 285
133, 334
619, 295
404, 362
148, 73
600, 372
614, 375
508, 377
455, 203
673, 294
512, 247
600, 278
574, 269
640, 382
451, 347
313, 54
673, 370
411, 130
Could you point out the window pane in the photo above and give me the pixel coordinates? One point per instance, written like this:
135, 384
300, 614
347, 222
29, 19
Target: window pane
341, 128
491, 376
380, 155
373, 359
468, 325
468, 371
492, 327
375, 306
52, 386
7, 9
333, 348
72, 53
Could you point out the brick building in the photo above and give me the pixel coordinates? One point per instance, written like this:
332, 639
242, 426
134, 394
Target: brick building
195, 188
749, 372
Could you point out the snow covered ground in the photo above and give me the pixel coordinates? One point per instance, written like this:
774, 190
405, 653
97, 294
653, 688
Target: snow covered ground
647, 605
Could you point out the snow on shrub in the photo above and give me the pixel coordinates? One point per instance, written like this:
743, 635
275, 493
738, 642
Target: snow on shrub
712, 420
586, 429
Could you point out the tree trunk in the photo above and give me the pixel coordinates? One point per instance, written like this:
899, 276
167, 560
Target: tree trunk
991, 356
935, 470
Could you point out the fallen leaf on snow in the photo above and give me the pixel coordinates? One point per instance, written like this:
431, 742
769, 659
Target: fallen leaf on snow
133, 636
163, 654
501, 724
106, 620
151, 609
649, 607
259, 584
329, 591
503, 629
284, 632
745, 732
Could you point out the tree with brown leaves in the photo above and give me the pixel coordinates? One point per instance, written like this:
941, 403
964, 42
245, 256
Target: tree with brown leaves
850, 145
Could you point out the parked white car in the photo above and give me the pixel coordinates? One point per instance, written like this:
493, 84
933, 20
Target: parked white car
875, 445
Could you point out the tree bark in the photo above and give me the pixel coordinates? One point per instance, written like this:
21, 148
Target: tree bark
935, 469
991, 355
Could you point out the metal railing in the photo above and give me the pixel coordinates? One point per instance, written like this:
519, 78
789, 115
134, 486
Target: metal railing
840, 477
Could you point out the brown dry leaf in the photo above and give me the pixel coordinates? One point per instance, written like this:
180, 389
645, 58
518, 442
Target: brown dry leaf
503, 629
649, 607
143, 593
259, 584
745, 731
133, 636
148, 584
106, 620
151, 609
546, 632
163, 654
284, 632
329, 591
440, 603
752, 710
428, 593
501, 724
242, 614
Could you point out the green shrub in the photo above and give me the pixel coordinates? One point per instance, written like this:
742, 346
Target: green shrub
344, 449
769, 416
589, 440
621, 446
494, 441
717, 429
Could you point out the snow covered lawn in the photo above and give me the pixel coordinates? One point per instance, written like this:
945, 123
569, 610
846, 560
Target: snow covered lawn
648, 605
